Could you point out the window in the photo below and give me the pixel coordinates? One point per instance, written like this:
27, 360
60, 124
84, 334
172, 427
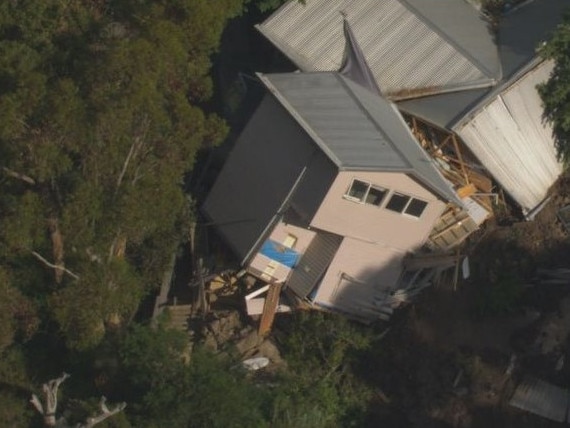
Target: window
358, 190
416, 207
375, 195
361, 191
397, 202
401, 203
290, 241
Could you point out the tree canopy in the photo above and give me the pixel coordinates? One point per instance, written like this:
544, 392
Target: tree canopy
101, 120
555, 92
103, 108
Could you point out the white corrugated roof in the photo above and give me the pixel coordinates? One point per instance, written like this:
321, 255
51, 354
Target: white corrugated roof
509, 136
413, 47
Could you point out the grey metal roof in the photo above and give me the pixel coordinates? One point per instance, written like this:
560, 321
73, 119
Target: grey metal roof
445, 109
413, 47
520, 33
542, 398
358, 130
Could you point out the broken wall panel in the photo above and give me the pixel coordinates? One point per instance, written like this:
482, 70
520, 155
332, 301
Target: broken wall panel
542, 398
510, 137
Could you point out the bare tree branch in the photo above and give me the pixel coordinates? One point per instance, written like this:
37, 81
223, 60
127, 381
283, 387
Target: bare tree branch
126, 164
37, 404
57, 248
19, 176
50, 391
51, 265
105, 413
133, 151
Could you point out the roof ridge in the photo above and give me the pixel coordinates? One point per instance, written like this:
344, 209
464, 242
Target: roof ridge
362, 107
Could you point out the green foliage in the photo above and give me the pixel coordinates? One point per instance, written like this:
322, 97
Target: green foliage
15, 389
17, 313
499, 298
555, 93
320, 390
268, 5
169, 391
101, 123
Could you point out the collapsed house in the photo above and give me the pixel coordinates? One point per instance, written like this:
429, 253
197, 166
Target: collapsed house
382, 147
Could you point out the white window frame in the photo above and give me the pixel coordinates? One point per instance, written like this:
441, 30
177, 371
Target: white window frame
403, 212
363, 200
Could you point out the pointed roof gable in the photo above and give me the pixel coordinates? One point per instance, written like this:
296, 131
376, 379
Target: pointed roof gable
413, 47
358, 130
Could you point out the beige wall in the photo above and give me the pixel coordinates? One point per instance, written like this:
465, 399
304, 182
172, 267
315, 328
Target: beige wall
376, 269
279, 234
376, 224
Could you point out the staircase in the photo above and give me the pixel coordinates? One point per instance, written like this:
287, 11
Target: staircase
178, 316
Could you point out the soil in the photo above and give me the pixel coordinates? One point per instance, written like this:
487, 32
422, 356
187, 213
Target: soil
443, 362
476, 327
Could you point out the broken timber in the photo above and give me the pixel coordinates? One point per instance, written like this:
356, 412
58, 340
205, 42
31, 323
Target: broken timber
270, 308
454, 160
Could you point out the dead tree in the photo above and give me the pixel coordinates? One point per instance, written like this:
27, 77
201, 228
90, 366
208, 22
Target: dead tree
49, 412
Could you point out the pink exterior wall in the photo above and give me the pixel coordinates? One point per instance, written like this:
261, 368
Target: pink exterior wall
304, 237
376, 224
376, 269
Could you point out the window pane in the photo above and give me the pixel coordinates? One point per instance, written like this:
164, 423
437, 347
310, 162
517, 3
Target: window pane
416, 207
397, 202
375, 196
358, 190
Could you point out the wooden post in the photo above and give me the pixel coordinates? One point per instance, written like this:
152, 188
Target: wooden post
269, 308
460, 156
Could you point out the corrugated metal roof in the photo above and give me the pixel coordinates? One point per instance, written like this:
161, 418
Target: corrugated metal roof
314, 262
509, 136
413, 47
520, 33
445, 109
542, 398
357, 129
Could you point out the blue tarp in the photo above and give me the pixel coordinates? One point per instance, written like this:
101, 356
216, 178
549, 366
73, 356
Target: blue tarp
280, 253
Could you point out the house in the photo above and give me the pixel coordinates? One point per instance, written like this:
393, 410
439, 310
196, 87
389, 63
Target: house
439, 61
328, 190
330, 187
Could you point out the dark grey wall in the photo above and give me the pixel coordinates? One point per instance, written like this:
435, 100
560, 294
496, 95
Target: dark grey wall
261, 170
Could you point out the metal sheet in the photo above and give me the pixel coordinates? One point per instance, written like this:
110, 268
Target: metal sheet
542, 398
356, 128
511, 139
520, 32
413, 49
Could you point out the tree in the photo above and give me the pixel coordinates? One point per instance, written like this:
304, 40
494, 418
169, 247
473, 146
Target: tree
101, 121
168, 389
268, 5
48, 409
555, 93
319, 388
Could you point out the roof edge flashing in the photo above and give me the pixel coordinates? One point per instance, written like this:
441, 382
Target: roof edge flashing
460, 122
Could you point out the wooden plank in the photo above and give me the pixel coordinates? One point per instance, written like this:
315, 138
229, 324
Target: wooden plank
482, 182
460, 156
445, 230
432, 260
269, 308
255, 307
466, 191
